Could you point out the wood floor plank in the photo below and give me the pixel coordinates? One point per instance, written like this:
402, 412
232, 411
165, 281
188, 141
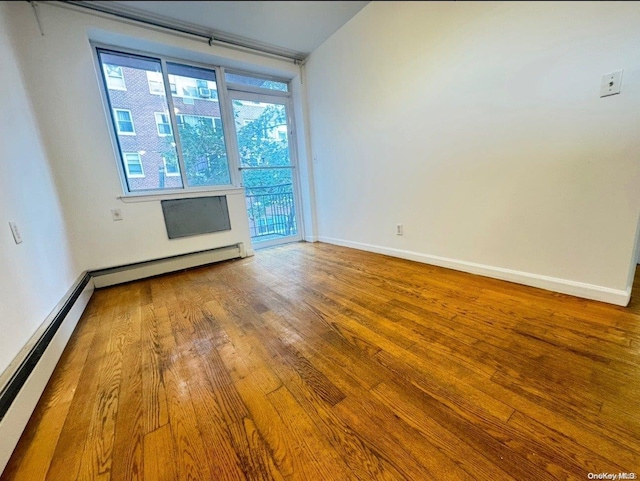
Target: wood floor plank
257, 461
67, 456
313, 361
320, 459
160, 463
154, 397
129, 422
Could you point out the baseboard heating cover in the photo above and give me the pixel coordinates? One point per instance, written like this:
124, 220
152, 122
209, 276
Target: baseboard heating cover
141, 270
23, 382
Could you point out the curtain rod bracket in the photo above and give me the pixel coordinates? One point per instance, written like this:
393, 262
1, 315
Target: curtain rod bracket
210, 42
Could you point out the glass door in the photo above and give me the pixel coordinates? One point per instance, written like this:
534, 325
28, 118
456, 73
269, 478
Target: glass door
267, 166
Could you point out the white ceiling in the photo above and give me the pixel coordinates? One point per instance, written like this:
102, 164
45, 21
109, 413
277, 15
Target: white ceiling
291, 28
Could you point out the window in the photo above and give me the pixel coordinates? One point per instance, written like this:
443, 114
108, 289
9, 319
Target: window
195, 120
133, 164
115, 77
163, 124
171, 169
190, 91
257, 82
160, 150
156, 85
124, 122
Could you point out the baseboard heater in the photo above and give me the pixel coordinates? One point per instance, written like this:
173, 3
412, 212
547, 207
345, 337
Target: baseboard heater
142, 270
24, 381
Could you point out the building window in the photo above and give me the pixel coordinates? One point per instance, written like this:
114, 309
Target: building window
133, 165
198, 121
171, 169
114, 75
156, 85
124, 122
163, 124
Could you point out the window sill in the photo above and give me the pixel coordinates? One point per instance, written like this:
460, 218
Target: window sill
150, 197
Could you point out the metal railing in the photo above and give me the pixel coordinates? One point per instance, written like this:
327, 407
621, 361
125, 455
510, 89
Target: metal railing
271, 211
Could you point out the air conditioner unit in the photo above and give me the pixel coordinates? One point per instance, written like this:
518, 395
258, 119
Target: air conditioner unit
204, 92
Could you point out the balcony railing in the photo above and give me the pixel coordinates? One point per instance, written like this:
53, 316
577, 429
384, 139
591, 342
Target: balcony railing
271, 212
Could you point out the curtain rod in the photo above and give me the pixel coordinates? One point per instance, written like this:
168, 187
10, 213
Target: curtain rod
208, 37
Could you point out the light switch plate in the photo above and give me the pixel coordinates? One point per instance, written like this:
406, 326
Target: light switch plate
611, 84
16, 233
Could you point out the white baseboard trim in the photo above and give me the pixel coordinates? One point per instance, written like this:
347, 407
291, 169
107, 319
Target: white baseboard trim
311, 238
564, 286
17, 416
142, 270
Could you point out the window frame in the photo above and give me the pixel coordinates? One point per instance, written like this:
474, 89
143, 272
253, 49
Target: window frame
117, 122
209, 117
166, 171
258, 90
226, 118
151, 91
121, 77
156, 114
126, 165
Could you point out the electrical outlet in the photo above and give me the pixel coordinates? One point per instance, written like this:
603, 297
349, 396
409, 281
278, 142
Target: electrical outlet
611, 84
116, 214
16, 233
399, 229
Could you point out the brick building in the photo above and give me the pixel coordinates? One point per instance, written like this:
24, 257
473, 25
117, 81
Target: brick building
140, 112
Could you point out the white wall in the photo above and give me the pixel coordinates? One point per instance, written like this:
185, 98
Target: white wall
60, 73
479, 127
34, 275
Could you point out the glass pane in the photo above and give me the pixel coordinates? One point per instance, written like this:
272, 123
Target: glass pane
270, 206
199, 125
256, 82
262, 133
136, 129
263, 145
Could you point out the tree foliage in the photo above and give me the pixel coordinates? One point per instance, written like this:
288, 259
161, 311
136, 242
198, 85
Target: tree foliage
204, 153
260, 146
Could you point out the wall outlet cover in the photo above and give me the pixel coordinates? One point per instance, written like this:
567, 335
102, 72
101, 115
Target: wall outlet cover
610, 84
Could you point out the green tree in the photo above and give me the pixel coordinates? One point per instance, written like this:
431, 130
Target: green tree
269, 191
260, 147
203, 150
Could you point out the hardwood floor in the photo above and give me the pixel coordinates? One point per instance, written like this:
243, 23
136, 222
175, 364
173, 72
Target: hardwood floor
311, 361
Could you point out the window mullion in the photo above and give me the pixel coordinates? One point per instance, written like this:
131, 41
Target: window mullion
174, 123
